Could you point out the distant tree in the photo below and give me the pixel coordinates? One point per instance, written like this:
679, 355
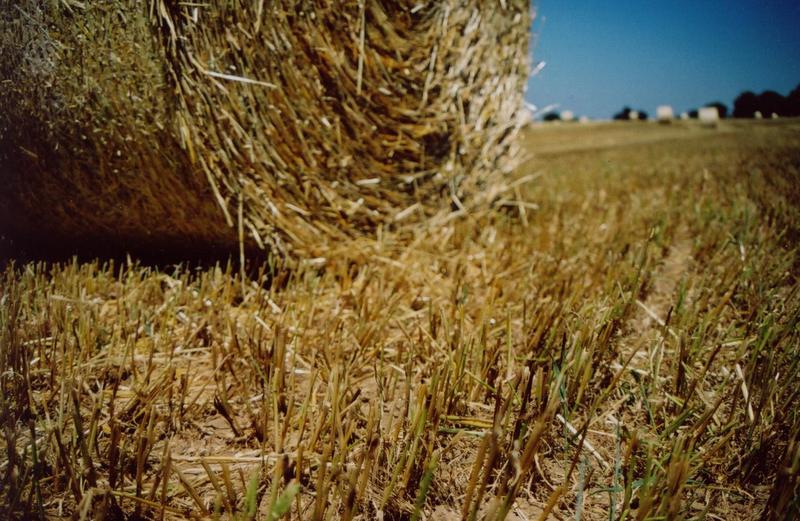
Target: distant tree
767, 103
693, 113
793, 102
745, 105
770, 102
552, 116
722, 109
623, 114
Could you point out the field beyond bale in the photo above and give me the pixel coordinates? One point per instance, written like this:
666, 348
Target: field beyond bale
619, 339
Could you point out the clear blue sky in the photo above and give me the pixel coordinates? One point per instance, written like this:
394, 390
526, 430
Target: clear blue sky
602, 55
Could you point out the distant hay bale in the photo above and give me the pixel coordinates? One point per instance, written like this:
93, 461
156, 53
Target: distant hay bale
633, 115
289, 124
708, 115
567, 115
664, 113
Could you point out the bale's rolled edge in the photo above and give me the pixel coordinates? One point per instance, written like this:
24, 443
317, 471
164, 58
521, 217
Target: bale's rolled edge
86, 151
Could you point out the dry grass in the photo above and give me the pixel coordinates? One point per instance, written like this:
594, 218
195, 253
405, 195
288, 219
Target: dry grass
618, 341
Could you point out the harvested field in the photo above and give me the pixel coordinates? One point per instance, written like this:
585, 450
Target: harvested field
618, 339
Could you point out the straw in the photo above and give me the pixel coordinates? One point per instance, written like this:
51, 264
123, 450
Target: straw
141, 123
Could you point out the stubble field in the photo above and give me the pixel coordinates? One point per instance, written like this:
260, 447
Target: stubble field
618, 339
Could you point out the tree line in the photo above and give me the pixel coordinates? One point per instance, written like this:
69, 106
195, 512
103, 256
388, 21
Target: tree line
767, 103
746, 105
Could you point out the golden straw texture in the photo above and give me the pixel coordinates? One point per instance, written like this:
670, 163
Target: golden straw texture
303, 124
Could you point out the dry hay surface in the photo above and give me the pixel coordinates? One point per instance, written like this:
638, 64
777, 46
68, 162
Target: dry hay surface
288, 125
625, 349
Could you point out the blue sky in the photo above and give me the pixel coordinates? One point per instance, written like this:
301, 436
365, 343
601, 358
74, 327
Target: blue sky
602, 55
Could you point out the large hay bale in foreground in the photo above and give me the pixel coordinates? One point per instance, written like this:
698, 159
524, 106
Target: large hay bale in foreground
298, 123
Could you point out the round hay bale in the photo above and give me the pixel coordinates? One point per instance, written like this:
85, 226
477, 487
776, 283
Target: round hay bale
288, 125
